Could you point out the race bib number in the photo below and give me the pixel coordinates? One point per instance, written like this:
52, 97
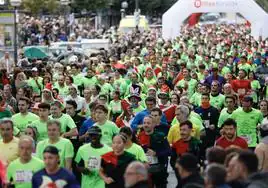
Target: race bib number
23, 176
152, 159
206, 122
94, 163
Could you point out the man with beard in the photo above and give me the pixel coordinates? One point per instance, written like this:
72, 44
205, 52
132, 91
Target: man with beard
230, 137
22, 119
186, 144
157, 149
61, 86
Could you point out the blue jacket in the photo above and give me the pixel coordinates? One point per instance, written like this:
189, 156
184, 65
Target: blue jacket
138, 119
85, 126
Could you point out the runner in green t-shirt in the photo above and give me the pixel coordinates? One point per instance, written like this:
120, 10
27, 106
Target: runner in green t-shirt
66, 121
77, 77
227, 112
41, 123
131, 146
62, 87
255, 86
216, 99
88, 159
108, 128
21, 170
247, 119
90, 80
64, 145
187, 83
24, 118
36, 83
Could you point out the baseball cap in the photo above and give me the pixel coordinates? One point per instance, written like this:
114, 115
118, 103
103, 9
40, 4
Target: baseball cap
94, 130
35, 69
248, 99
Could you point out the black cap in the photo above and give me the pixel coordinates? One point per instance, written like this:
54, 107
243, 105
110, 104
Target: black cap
52, 150
189, 162
95, 130
248, 99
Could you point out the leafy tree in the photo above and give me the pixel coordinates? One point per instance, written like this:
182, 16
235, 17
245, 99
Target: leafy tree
38, 6
79, 5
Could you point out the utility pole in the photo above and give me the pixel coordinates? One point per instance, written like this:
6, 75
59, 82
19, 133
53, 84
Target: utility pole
137, 13
136, 5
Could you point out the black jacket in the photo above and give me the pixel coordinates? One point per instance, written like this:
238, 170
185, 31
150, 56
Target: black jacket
209, 116
195, 179
258, 180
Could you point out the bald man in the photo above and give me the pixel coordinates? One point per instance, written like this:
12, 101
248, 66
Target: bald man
21, 170
136, 175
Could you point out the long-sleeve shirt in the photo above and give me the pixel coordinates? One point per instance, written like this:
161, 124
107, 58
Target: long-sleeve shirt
138, 119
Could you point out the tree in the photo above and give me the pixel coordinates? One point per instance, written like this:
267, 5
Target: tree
92, 5
33, 6
263, 4
39, 6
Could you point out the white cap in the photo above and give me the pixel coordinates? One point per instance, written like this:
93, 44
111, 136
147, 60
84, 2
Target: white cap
35, 69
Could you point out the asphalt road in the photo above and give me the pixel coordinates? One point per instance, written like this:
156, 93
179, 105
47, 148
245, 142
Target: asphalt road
172, 181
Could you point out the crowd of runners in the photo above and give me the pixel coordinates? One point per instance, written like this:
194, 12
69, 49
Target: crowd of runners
120, 117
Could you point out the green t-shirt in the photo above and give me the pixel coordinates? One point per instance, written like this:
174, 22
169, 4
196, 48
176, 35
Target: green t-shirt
138, 152
255, 85
196, 99
225, 70
78, 79
63, 91
106, 89
22, 122
191, 86
117, 83
217, 101
66, 121
223, 116
147, 83
247, 124
41, 127
115, 106
31, 82
85, 153
64, 146
246, 67
108, 130
89, 82
21, 174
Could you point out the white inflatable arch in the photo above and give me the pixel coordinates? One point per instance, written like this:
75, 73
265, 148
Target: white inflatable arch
174, 17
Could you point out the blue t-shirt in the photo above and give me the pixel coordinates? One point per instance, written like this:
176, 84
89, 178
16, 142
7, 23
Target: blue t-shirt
63, 178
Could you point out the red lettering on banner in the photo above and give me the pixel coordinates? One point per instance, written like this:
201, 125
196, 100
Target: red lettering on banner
197, 3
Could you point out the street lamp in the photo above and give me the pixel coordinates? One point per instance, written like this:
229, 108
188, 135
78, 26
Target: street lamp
124, 6
15, 4
65, 4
